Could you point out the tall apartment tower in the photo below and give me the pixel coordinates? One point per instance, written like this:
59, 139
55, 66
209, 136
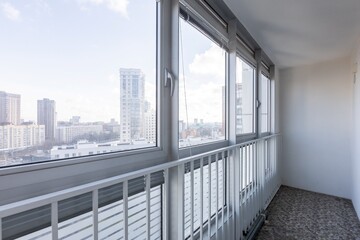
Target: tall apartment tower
132, 94
149, 123
244, 101
10, 108
46, 115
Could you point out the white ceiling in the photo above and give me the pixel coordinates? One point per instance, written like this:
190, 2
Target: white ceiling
298, 32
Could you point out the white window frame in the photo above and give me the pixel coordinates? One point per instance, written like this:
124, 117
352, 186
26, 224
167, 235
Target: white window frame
206, 21
48, 176
249, 136
266, 73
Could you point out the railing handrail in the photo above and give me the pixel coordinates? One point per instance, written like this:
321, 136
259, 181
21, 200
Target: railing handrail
46, 199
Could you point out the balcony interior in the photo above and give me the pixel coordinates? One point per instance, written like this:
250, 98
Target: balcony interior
298, 180
300, 214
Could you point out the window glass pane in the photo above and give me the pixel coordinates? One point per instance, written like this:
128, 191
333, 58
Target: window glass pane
265, 103
244, 97
72, 79
201, 88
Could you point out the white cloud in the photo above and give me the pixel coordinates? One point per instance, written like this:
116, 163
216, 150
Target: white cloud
203, 103
119, 6
204, 84
43, 7
10, 11
211, 62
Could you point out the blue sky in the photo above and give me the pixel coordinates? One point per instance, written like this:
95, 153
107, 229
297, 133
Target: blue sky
71, 51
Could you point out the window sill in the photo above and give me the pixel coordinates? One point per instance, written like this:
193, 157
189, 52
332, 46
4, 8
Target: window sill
202, 148
138, 153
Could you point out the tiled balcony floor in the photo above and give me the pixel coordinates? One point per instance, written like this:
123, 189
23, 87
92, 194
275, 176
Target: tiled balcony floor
299, 214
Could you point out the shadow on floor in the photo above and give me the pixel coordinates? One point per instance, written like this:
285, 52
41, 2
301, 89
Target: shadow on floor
299, 214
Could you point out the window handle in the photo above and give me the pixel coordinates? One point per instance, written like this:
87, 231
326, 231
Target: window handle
258, 103
169, 80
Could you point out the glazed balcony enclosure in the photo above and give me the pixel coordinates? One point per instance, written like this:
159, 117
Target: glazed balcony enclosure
178, 119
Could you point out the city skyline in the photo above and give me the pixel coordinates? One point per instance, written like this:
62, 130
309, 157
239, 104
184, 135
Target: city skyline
60, 58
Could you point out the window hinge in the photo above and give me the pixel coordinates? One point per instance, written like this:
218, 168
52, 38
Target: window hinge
169, 81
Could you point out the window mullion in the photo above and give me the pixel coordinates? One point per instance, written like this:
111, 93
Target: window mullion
231, 84
257, 92
170, 110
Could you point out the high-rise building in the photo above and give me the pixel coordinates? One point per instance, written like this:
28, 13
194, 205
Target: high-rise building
131, 104
10, 108
46, 115
150, 125
244, 101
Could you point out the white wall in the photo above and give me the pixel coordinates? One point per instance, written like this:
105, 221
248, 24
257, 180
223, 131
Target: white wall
356, 135
315, 120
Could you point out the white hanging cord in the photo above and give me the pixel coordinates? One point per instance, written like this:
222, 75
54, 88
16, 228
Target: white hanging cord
185, 99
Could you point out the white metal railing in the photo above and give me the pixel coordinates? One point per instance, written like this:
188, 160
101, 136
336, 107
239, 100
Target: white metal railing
224, 191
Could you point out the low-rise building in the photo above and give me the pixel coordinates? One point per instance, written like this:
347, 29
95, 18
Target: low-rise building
86, 148
70, 133
21, 136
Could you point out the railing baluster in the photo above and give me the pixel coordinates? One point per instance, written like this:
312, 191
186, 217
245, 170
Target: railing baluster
246, 185
268, 171
227, 163
181, 213
258, 187
217, 196
274, 163
273, 156
251, 180
241, 205
270, 175
54, 221
262, 143
254, 183
251, 184
125, 210
234, 194
276, 158
166, 216
223, 195
209, 194
147, 187
95, 205
201, 198
271, 170
262, 172
192, 199
257, 181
